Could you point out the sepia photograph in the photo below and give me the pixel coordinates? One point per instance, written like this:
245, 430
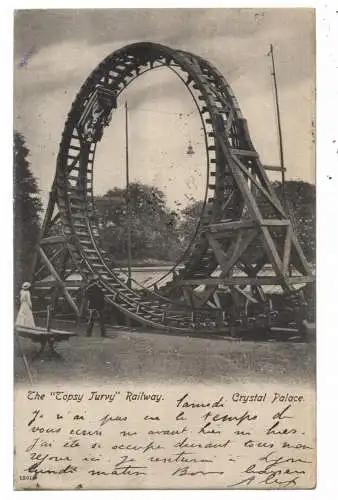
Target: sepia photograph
164, 236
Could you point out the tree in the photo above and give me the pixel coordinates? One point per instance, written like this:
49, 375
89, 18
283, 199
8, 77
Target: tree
190, 218
301, 205
153, 225
27, 209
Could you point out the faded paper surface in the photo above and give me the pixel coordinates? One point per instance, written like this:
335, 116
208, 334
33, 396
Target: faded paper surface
220, 415
147, 436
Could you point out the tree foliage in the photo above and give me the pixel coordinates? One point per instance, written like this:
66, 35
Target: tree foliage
190, 217
157, 233
152, 224
301, 204
27, 208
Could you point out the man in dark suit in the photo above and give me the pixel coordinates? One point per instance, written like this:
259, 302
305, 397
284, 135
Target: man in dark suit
96, 305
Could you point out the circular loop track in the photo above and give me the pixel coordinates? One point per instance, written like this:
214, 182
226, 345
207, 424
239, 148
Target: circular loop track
90, 113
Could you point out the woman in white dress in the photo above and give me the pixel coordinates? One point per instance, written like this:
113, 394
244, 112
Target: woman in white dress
25, 315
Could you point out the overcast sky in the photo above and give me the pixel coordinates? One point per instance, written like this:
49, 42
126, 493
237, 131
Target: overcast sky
63, 46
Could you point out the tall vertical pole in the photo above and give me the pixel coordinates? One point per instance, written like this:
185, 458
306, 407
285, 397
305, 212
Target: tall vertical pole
128, 199
280, 140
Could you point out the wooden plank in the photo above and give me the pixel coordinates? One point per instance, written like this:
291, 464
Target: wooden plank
59, 280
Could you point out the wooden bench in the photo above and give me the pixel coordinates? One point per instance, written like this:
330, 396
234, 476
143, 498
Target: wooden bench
46, 338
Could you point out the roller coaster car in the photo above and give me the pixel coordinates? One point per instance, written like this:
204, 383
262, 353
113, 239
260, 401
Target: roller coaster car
97, 114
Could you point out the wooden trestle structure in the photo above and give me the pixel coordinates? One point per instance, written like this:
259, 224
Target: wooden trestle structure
221, 286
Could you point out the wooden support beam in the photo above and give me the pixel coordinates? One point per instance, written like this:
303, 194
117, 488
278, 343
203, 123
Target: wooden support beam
229, 259
229, 122
202, 297
300, 254
231, 225
45, 225
260, 263
218, 250
287, 248
275, 222
277, 264
244, 281
74, 162
228, 200
245, 294
272, 199
53, 220
187, 292
262, 175
259, 170
50, 283
211, 305
272, 168
243, 152
225, 235
51, 258
50, 210
59, 281
243, 242
217, 301
245, 223
243, 186
50, 240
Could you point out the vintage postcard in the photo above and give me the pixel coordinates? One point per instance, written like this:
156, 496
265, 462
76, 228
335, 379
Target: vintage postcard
164, 249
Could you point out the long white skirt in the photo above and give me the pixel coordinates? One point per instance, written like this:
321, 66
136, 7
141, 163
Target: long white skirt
25, 316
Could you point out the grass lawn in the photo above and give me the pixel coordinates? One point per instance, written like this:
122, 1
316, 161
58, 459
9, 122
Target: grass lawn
146, 356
